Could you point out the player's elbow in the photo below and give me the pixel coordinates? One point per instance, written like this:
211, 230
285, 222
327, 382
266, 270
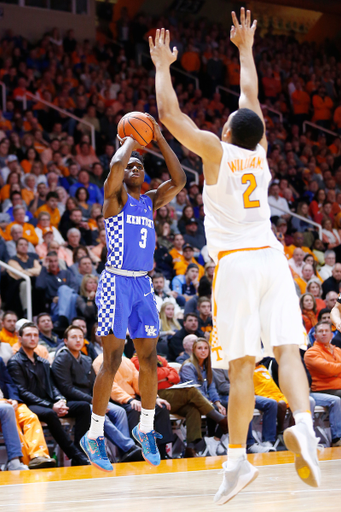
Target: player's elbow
164, 115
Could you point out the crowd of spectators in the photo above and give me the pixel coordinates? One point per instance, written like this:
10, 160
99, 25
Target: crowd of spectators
52, 227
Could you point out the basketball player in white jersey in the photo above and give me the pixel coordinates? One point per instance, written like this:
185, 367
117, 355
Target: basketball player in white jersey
254, 294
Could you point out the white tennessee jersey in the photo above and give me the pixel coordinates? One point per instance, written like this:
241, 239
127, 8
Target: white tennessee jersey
237, 212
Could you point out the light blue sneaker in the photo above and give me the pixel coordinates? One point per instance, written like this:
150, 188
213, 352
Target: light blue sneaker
94, 449
150, 451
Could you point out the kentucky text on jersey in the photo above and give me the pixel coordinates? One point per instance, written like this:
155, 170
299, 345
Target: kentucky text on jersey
142, 221
249, 163
131, 236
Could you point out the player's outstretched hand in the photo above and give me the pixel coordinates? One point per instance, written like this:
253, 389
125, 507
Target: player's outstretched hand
160, 52
242, 34
157, 131
135, 144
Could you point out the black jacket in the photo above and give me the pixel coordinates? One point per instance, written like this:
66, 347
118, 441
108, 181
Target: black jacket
75, 377
28, 383
175, 346
7, 386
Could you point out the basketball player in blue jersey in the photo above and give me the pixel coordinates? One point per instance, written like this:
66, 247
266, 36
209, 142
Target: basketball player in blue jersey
125, 295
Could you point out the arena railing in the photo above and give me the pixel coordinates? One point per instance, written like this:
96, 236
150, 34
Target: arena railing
308, 221
234, 93
4, 96
320, 128
28, 287
159, 155
189, 75
62, 111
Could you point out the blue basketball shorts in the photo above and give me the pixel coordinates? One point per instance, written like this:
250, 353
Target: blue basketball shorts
126, 302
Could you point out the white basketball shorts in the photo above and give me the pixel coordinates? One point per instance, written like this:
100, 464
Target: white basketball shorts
255, 306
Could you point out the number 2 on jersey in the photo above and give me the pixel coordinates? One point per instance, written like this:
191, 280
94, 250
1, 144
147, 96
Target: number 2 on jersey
143, 241
250, 203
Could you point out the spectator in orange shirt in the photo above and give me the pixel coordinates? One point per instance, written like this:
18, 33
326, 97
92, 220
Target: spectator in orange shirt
51, 207
322, 105
31, 157
270, 85
309, 310
13, 178
180, 267
233, 73
29, 232
190, 60
300, 103
323, 361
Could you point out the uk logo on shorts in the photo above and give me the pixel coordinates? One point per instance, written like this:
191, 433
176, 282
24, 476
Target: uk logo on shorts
150, 330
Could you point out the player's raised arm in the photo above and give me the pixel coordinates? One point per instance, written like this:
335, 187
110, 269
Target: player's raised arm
115, 195
203, 143
169, 189
242, 35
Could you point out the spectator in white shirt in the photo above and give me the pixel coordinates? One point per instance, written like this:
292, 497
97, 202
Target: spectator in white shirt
326, 270
276, 202
296, 262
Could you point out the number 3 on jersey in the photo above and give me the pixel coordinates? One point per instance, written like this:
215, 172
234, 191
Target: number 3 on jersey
251, 180
143, 241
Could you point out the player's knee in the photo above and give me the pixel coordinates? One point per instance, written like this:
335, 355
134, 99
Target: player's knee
112, 362
242, 369
148, 360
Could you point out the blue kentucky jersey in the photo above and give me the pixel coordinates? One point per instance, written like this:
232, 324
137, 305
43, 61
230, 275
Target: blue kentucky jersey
131, 236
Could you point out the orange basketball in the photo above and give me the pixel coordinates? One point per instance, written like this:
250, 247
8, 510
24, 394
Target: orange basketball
138, 126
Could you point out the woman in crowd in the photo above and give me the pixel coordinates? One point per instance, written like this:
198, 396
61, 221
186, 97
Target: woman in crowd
30, 157
308, 258
198, 370
330, 236
82, 196
71, 204
309, 310
315, 288
164, 215
164, 235
168, 323
12, 179
298, 224
316, 205
187, 213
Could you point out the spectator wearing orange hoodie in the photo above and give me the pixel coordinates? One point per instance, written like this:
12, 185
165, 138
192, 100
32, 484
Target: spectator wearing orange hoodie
323, 361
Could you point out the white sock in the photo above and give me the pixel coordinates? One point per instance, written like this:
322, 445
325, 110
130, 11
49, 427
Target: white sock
234, 455
147, 420
96, 426
306, 418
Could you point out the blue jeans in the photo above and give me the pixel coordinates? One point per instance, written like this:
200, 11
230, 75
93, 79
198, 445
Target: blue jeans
66, 305
268, 406
334, 405
116, 427
10, 431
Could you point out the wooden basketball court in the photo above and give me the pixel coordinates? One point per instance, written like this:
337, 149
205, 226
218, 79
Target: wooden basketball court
179, 485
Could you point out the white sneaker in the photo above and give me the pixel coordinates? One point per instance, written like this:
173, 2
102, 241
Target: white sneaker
269, 445
303, 444
257, 448
235, 480
16, 465
211, 446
